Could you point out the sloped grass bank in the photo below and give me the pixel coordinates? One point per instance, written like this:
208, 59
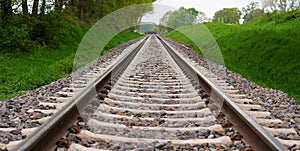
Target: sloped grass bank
22, 71
265, 52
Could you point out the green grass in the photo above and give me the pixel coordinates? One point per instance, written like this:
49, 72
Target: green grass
265, 52
121, 38
22, 71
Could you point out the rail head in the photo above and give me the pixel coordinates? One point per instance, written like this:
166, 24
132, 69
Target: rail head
264, 139
33, 142
37, 141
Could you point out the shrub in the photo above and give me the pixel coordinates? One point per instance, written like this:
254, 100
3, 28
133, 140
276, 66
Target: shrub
13, 37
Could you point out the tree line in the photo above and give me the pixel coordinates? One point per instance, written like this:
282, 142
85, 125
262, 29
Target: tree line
83, 9
252, 11
280, 5
185, 17
28, 23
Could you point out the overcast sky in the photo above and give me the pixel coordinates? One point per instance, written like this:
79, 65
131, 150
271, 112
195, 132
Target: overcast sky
209, 7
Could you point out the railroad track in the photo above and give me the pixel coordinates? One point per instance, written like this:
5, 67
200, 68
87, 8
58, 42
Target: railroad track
150, 97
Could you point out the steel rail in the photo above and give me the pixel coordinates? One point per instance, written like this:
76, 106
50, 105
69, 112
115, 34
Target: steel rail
45, 137
253, 132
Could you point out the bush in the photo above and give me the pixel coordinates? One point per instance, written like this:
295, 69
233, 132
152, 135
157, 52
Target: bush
13, 37
27, 32
281, 17
51, 29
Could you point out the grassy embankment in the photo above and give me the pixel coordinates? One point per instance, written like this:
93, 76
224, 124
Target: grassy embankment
265, 51
22, 71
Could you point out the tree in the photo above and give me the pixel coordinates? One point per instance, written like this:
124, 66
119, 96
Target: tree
182, 17
44, 21
228, 15
24, 7
293, 5
93, 10
201, 18
251, 11
288, 5
35, 7
6, 9
280, 5
43, 7
164, 20
141, 10
270, 4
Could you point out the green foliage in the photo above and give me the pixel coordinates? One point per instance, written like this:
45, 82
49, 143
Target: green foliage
22, 71
285, 16
178, 36
90, 11
25, 33
281, 5
25, 71
13, 37
251, 11
122, 37
53, 29
38, 46
228, 15
264, 52
180, 17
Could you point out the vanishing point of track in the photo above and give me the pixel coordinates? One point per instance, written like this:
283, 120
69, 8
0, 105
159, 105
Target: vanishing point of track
151, 97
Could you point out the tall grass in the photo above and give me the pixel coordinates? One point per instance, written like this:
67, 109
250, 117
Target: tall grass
266, 52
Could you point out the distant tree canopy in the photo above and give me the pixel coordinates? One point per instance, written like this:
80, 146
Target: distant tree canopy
280, 5
251, 11
228, 15
278, 10
182, 17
